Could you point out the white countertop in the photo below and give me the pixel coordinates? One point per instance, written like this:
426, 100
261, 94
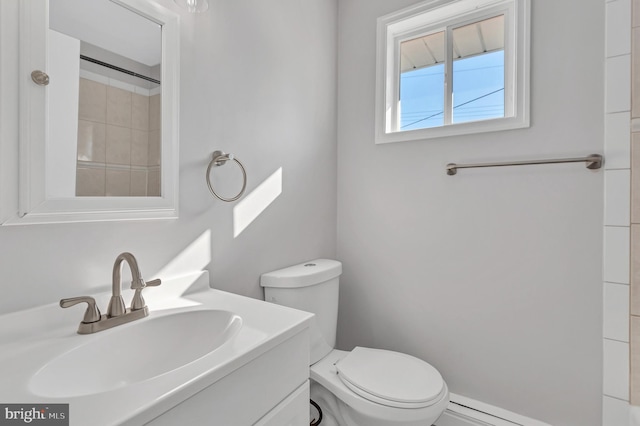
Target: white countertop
30, 339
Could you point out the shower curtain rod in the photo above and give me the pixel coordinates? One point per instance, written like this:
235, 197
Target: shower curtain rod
116, 68
594, 161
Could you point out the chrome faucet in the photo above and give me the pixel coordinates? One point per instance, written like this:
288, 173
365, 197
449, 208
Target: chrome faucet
117, 313
116, 304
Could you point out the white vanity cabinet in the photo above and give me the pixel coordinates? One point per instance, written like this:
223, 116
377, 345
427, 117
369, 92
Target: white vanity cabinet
270, 390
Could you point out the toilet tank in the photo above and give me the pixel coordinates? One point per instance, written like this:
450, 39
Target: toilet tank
313, 287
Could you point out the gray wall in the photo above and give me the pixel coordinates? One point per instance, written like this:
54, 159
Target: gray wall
493, 275
258, 80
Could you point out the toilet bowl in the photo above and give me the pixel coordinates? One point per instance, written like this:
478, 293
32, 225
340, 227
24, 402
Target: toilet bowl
365, 386
346, 406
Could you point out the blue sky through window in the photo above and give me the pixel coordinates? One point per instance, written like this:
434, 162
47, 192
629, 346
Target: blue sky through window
422, 98
478, 92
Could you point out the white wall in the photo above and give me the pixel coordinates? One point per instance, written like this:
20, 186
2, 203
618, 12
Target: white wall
492, 275
258, 80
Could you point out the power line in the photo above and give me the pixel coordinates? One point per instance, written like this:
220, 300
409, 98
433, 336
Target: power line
470, 108
441, 73
442, 112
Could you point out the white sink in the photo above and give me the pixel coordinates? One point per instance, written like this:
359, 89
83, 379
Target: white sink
195, 338
160, 345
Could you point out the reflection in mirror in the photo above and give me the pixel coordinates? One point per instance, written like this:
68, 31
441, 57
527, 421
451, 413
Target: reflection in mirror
51, 118
105, 106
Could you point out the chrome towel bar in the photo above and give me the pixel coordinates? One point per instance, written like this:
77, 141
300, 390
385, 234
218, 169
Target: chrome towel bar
594, 161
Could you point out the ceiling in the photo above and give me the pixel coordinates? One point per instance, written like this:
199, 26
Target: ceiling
110, 26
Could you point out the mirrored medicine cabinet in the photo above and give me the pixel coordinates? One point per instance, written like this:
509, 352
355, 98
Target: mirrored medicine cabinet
98, 111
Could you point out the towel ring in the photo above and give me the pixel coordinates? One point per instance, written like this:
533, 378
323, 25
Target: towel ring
219, 158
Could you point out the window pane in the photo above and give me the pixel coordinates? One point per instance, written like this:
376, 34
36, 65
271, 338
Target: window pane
478, 71
421, 102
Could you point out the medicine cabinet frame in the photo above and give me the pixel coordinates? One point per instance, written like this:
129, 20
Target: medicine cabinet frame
34, 207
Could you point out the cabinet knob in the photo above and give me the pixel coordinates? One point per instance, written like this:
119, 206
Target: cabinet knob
40, 78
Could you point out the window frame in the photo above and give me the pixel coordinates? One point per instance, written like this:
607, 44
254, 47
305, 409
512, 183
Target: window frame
433, 16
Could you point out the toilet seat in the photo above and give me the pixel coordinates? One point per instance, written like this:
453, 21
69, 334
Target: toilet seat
325, 374
390, 378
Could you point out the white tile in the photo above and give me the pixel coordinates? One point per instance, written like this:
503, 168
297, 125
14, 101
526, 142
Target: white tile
634, 360
118, 149
616, 312
635, 178
615, 412
616, 369
118, 107
118, 183
90, 182
617, 140
618, 84
634, 277
616, 254
634, 415
618, 32
92, 101
617, 196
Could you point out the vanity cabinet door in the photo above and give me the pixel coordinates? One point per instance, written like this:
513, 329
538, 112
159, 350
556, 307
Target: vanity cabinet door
275, 382
293, 411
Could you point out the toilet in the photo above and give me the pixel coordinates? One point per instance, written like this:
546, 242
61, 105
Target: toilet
365, 386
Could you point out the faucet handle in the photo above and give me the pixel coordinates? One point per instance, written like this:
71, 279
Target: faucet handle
138, 301
140, 283
92, 314
153, 283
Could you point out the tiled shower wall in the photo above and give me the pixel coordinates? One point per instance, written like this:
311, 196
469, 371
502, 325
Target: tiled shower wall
619, 232
635, 206
621, 383
118, 141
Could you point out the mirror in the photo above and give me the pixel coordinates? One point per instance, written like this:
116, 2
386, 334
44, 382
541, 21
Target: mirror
108, 58
100, 140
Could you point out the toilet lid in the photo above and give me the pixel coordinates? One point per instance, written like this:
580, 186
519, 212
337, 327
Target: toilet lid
390, 378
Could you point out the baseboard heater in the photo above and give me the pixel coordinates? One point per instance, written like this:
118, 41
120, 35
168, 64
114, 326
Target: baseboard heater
463, 411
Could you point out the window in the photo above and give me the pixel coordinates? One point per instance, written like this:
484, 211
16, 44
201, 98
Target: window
452, 67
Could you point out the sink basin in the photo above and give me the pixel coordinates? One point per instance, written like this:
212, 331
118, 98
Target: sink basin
197, 350
135, 352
